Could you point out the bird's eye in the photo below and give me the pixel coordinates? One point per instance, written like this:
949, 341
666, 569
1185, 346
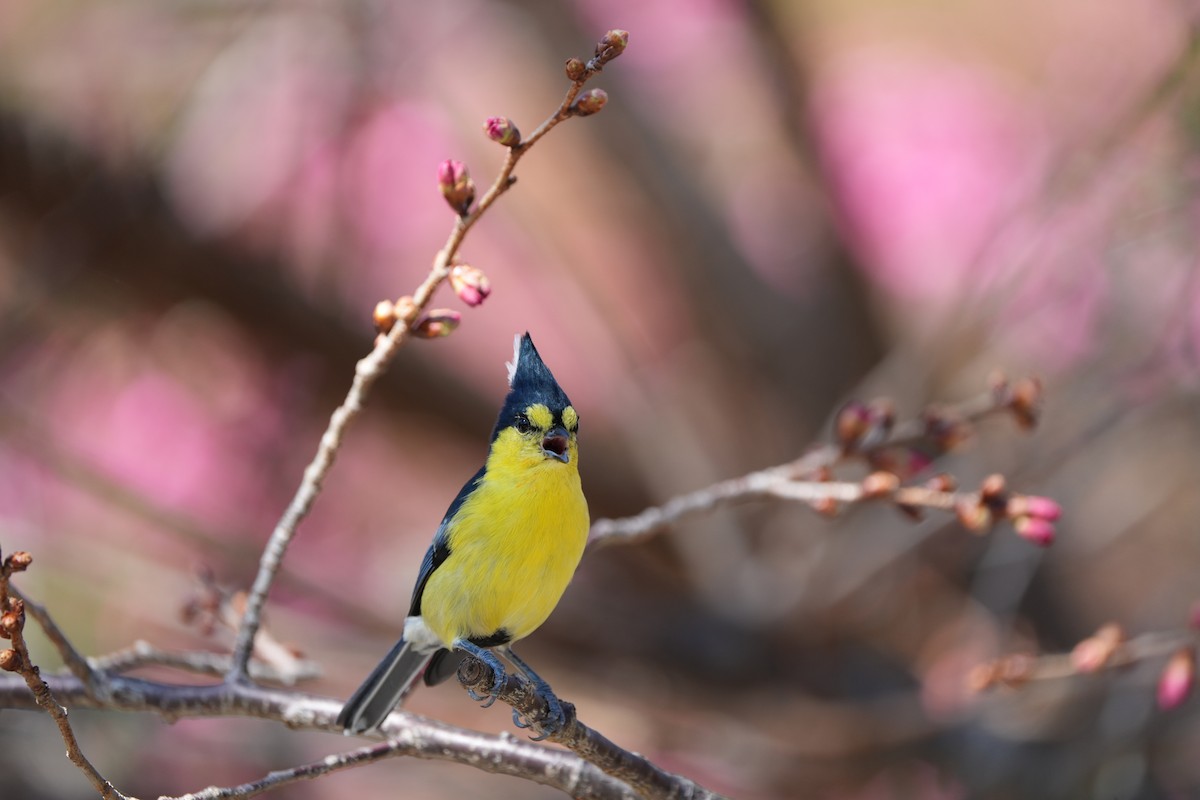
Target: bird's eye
522, 424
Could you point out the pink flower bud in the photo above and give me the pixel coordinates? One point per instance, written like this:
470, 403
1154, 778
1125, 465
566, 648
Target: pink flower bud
590, 102
456, 185
1035, 529
1177, 680
439, 322
502, 130
470, 284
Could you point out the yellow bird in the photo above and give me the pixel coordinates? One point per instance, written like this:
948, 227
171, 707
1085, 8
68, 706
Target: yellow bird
502, 557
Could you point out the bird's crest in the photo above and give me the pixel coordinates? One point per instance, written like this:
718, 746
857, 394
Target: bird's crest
529, 381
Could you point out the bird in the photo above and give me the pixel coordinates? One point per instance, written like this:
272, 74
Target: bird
501, 558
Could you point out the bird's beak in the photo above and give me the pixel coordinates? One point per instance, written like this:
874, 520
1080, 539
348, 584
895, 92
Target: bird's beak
555, 444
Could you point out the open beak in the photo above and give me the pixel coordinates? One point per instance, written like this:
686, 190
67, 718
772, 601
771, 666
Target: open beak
555, 444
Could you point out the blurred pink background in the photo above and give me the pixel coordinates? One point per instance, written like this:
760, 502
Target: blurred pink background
782, 205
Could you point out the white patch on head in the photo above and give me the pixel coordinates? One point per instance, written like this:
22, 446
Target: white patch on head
512, 365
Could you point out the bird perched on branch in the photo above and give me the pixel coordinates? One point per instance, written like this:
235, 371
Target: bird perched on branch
501, 558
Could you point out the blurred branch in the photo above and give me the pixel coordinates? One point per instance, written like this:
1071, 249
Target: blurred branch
143, 654
405, 320
864, 431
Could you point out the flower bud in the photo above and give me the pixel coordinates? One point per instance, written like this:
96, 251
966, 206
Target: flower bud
1096, 651
611, 45
10, 623
850, 424
502, 130
437, 323
1177, 680
992, 488
576, 69
973, 515
590, 102
1035, 529
456, 185
1031, 505
19, 561
879, 484
942, 482
1026, 401
826, 506
10, 660
470, 284
385, 315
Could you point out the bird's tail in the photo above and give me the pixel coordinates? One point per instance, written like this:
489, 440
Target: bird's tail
383, 689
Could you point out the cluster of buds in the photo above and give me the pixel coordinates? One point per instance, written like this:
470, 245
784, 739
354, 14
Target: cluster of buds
457, 187
860, 426
1023, 398
1032, 516
611, 45
12, 620
502, 130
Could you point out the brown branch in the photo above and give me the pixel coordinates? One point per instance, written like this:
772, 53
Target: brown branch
938, 429
649, 780
17, 659
368, 370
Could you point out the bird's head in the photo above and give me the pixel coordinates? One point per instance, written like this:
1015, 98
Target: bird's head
537, 425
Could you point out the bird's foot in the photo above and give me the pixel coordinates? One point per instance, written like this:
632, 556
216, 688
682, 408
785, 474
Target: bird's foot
551, 722
499, 675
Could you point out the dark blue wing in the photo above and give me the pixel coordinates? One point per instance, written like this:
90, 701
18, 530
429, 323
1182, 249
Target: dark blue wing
440, 549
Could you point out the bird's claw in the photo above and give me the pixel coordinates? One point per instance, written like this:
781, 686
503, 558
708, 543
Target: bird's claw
553, 721
498, 681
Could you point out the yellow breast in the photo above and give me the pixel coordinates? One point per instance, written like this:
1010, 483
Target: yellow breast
514, 546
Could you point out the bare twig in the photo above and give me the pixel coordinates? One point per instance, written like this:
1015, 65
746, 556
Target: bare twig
143, 654
368, 370
649, 780
76, 663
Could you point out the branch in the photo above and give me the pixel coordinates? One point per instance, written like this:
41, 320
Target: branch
864, 431
406, 312
143, 654
16, 659
412, 735
649, 780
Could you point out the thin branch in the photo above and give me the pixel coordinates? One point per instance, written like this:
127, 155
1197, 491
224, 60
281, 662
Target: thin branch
17, 659
143, 654
781, 480
649, 780
74, 661
367, 371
